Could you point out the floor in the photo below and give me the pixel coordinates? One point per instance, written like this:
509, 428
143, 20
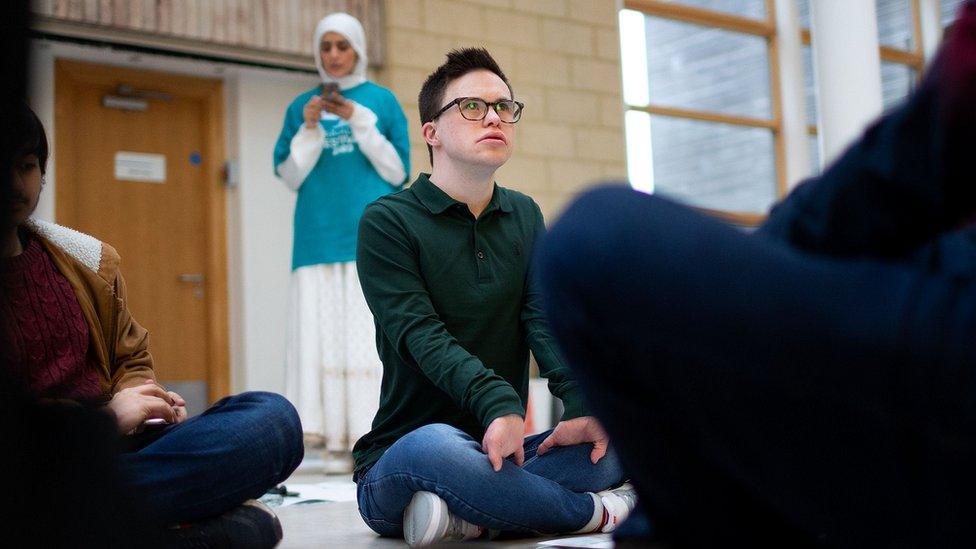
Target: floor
337, 523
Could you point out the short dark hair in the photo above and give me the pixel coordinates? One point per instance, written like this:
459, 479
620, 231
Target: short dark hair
28, 137
459, 62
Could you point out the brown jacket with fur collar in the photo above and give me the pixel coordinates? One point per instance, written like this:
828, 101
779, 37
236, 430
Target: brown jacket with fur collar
120, 346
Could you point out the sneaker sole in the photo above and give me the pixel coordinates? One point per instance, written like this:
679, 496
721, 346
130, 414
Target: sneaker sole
423, 518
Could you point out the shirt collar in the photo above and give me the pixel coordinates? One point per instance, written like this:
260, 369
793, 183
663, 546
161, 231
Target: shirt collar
438, 201
431, 196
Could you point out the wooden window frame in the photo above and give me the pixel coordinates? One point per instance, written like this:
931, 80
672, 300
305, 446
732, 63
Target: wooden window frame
765, 29
755, 27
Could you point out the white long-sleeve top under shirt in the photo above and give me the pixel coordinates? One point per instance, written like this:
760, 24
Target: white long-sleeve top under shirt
307, 144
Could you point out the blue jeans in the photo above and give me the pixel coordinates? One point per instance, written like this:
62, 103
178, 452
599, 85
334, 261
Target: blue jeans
234, 451
546, 495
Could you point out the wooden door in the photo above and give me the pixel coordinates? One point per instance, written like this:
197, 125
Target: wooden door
141, 170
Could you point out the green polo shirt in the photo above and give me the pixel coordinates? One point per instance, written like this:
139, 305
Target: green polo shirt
456, 313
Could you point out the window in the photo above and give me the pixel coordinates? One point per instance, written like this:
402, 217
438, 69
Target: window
753, 9
703, 115
895, 24
702, 106
949, 10
900, 51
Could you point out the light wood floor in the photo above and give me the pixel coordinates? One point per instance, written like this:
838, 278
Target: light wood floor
338, 524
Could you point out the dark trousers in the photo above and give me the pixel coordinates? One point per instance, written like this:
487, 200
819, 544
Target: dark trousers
235, 450
813, 383
757, 393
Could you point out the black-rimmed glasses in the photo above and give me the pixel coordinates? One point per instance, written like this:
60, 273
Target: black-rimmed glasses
475, 109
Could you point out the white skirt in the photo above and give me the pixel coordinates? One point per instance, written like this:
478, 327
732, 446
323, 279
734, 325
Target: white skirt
332, 369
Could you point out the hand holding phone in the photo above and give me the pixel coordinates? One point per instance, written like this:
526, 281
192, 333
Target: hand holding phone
333, 102
312, 111
328, 90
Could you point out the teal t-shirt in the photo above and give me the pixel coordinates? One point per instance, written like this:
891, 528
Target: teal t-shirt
333, 196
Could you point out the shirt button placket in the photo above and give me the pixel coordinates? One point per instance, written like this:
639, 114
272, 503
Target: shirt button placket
483, 275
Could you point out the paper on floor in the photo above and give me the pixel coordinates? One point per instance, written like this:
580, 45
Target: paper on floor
331, 490
602, 542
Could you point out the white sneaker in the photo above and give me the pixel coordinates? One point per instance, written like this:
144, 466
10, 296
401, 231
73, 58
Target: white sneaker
426, 520
617, 503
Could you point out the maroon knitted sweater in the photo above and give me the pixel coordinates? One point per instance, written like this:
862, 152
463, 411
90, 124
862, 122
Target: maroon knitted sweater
45, 336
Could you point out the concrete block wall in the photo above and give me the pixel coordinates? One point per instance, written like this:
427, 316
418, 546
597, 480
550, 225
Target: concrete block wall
563, 60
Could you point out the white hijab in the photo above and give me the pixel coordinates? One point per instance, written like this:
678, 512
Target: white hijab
349, 27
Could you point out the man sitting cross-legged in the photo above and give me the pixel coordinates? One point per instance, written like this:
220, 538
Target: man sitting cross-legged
445, 267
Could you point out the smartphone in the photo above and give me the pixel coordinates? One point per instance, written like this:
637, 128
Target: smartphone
328, 89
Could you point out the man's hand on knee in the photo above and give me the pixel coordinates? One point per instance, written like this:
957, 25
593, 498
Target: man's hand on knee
504, 437
578, 431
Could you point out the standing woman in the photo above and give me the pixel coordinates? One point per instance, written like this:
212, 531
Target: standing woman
343, 144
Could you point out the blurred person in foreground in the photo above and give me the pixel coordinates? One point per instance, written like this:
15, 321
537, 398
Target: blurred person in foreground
811, 384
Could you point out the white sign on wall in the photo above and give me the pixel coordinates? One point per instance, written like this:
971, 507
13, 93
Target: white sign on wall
132, 166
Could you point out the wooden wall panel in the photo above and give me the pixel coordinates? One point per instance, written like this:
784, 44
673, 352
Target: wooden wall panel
273, 26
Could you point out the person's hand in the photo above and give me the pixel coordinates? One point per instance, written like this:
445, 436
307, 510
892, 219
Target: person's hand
134, 405
505, 436
338, 105
578, 431
179, 405
313, 112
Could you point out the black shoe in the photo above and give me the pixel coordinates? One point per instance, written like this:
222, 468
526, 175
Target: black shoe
251, 525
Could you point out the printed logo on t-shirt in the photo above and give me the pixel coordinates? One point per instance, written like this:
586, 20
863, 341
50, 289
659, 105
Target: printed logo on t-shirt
338, 138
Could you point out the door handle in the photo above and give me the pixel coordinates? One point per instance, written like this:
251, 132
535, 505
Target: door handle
197, 279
